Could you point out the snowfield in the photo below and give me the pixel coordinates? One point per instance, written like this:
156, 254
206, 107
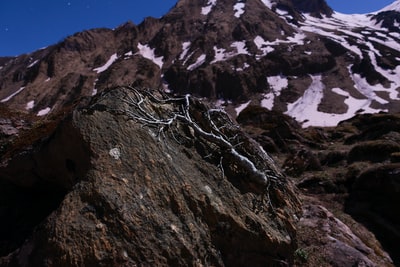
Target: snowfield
147, 52
110, 61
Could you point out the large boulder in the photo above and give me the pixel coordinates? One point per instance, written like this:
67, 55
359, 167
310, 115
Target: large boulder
152, 183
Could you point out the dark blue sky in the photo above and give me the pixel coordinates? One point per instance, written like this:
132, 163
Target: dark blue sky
27, 25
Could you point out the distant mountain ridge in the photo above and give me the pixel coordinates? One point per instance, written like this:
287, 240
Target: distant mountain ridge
395, 6
297, 57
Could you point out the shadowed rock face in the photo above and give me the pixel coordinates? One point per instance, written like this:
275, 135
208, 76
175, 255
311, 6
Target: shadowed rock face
347, 178
374, 192
314, 7
144, 196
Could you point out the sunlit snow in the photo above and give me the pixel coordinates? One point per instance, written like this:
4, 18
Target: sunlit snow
30, 105
241, 107
207, 9
220, 103
222, 55
44, 112
267, 46
395, 6
200, 61
240, 48
245, 66
128, 55
305, 109
366, 89
32, 64
264, 46
268, 3
239, 9
277, 84
110, 61
147, 52
185, 50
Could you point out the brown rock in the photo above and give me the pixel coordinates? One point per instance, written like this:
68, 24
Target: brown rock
149, 198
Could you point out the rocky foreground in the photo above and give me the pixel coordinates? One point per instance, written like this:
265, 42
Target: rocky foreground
131, 178
348, 181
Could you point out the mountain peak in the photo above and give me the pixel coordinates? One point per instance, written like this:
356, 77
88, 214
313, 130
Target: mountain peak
395, 6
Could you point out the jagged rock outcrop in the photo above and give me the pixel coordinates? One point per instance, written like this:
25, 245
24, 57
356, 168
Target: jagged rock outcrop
350, 169
139, 192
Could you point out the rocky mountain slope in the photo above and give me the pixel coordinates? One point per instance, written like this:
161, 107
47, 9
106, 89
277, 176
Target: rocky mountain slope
291, 56
213, 166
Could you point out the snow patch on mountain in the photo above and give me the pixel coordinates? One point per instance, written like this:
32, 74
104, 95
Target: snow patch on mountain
391, 75
33, 64
242, 107
185, 50
220, 54
267, 46
395, 6
329, 26
110, 61
30, 105
267, 3
207, 9
264, 46
147, 52
366, 89
240, 48
284, 13
245, 66
277, 84
354, 106
345, 23
239, 9
12, 95
43, 112
128, 55
200, 61
305, 109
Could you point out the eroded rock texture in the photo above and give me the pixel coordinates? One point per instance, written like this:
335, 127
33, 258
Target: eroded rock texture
134, 194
